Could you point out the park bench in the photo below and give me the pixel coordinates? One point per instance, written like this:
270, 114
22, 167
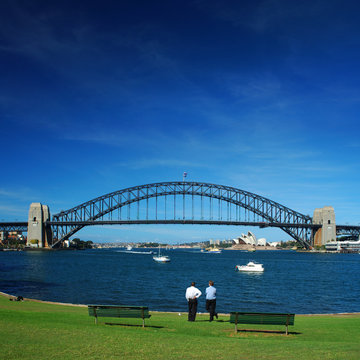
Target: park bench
119, 311
261, 318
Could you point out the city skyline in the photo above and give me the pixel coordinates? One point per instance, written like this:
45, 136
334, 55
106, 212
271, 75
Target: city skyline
258, 95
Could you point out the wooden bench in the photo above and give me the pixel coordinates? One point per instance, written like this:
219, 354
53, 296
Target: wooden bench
261, 318
119, 311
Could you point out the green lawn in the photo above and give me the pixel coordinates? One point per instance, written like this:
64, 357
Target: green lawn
33, 330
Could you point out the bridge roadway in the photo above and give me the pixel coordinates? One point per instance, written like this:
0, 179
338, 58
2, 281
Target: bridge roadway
340, 229
23, 226
261, 224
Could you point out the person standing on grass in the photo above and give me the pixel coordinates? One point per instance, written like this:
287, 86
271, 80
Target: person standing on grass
211, 300
192, 294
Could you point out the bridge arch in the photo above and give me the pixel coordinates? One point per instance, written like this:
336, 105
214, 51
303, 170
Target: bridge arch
297, 225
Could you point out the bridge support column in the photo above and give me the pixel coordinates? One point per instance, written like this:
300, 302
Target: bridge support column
38, 235
327, 232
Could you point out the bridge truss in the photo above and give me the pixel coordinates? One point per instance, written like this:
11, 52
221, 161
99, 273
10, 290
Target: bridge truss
185, 203
352, 230
19, 226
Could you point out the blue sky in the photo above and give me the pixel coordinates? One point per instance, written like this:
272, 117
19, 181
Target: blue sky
259, 95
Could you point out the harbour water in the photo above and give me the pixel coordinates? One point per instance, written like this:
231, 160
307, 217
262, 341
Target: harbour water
302, 283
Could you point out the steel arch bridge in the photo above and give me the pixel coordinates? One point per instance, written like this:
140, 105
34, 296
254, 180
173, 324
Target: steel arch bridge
180, 202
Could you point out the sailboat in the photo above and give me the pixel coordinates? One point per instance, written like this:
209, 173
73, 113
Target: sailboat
161, 258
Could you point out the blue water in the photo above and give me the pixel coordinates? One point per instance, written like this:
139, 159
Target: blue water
301, 283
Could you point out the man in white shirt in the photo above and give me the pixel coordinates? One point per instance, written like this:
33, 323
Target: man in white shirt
192, 294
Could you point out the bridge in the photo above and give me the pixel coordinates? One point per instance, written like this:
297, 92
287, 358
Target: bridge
181, 202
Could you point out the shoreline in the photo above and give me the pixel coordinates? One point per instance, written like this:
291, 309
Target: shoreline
9, 296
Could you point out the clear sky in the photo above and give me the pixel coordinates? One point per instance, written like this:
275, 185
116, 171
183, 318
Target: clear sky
261, 95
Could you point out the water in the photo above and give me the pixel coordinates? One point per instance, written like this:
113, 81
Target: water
292, 282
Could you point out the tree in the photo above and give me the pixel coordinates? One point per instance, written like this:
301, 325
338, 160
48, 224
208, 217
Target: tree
78, 244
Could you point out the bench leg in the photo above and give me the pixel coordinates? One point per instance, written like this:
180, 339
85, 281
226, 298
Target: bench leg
95, 315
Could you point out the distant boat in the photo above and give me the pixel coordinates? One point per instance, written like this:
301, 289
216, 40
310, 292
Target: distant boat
252, 250
214, 250
129, 248
161, 258
250, 267
136, 252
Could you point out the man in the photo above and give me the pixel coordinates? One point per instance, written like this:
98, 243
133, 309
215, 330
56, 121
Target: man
192, 294
211, 300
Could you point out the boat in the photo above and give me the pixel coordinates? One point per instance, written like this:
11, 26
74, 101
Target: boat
250, 267
347, 246
129, 248
213, 250
161, 258
136, 252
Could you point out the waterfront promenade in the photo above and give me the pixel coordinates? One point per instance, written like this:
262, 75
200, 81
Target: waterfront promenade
39, 330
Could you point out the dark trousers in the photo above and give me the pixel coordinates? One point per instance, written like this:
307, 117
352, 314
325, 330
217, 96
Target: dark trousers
192, 303
210, 307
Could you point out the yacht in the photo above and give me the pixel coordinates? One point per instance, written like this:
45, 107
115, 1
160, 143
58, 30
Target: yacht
161, 258
250, 267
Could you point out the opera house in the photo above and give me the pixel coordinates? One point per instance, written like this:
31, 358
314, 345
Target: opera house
249, 239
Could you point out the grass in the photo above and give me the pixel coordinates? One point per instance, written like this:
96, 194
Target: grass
34, 330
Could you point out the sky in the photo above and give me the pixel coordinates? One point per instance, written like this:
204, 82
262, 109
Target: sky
261, 95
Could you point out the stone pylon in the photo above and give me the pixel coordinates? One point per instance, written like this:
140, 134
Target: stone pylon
327, 232
39, 236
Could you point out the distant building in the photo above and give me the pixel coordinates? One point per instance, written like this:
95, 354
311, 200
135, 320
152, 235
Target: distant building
15, 235
3, 236
275, 243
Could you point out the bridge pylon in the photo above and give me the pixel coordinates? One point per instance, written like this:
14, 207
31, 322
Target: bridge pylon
326, 218
39, 235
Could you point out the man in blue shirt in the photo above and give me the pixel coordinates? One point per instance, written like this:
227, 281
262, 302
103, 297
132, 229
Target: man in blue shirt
211, 300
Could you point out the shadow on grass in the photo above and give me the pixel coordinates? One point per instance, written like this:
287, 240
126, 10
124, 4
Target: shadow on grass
215, 321
134, 325
268, 331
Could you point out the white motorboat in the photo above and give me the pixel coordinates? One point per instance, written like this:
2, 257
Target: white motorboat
129, 248
213, 250
161, 258
250, 267
136, 252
